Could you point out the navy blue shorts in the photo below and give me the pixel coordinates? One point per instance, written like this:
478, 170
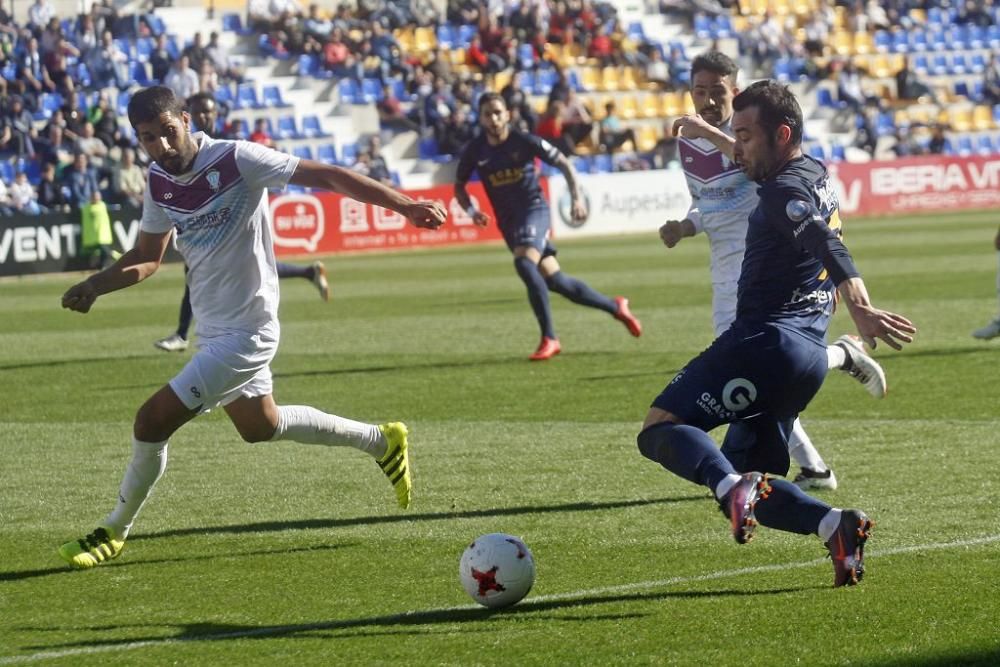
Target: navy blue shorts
532, 229
757, 378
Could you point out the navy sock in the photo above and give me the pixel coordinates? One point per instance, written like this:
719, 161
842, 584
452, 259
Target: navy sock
580, 292
294, 271
789, 508
538, 293
184, 321
685, 451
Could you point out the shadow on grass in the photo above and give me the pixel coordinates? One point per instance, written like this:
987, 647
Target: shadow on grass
66, 569
983, 657
74, 362
222, 632
313, 524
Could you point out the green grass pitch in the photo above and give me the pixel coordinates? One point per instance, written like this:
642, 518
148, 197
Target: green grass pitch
297, 555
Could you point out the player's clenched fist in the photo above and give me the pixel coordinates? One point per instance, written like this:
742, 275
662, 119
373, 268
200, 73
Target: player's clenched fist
426, 214
80, 297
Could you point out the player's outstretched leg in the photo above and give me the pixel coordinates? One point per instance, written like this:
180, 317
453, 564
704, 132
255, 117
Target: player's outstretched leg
814, 472
583, 294
860, 366
847, 547
538, 297
740, 502
320, 281
625, 316
988, 332
396, 462
98, 547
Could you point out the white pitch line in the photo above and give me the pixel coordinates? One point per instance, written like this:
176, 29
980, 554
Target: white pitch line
607, 590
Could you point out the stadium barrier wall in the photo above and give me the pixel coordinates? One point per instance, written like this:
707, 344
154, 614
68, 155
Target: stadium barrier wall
50, 243
917, 185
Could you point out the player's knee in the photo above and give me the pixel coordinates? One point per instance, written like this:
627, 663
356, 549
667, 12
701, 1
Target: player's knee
150, 425
255, 433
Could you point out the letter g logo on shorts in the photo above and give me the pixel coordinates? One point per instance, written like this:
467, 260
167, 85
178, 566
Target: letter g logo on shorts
738, 394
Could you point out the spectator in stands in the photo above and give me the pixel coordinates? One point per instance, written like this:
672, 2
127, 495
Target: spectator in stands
81, 181
516, 99
938, 142
664, 152
438, 106
105, 16
975, 13
56, 149
550, 126
23, 197
219, 55
991, 81
909, 86
337, 56
878, 18
22, 128
906, 144
849, 87
317, 24
602, 49
458, 131
477, 57
50, 193
57, 63
657, 70
195, 52
128, 181
6, 210
39, 15
160, 60
95, 150
378, 168
817, 34
105, 121
612, 134
391, 114
108, 64
260, 135
32, 73
463, 12
208, 78
577, 121
73, 117
182, 79
85, 36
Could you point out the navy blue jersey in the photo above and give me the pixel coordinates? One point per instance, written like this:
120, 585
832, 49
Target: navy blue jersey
508, 172
793, 251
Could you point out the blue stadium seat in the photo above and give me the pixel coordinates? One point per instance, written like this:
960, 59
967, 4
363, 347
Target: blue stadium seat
975, 37
32, 168
349, 153
7, 171
399, 89
465, 33
959, 64
121, 103
83, 77
447, 36
977, 91
817, 151
977, 63
920, 64
938, 39
603, 163
964, 146
287, 128
984, 145
993, 36
527, 81
703, 26
49, 103
308, 65
9, 71
883, 41
349, 91
526, 56
900, 42
125, 46
327, 153
224, 95
940, 65
155, 24
246, 96
144, 47
885, 123
936, 16
137, 72
582, 164
172, 48
311, 127
837, 153
371, 90
233, 22
427, 149
918, 40
635, 32
824, 97
271, 97
545, 78
723, 27
303, 152
962, 89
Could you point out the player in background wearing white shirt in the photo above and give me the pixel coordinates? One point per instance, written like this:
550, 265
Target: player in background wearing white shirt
722, 200
213, 194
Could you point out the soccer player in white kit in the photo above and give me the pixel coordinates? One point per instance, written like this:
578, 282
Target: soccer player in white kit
722, 200
213, 195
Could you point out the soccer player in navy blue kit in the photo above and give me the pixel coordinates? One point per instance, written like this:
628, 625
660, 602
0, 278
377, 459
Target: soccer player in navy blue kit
505, 159
761, 373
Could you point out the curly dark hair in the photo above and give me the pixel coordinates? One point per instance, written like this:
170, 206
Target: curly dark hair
777, 105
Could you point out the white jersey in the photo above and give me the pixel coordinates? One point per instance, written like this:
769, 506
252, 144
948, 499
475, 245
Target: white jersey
722, 199
221, 217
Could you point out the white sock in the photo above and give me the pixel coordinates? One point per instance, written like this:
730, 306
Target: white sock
835, 357
728, 482
828, 524
801, 449
302, 423
149, 460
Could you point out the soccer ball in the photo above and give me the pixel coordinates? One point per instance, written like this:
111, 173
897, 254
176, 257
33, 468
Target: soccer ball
497, 570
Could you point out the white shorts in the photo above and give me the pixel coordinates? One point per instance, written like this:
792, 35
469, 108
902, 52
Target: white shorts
723, 305
226, 368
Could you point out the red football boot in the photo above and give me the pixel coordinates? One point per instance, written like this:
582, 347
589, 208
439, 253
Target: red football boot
548, 348
625, 316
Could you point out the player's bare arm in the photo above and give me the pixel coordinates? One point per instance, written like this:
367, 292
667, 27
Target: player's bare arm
465, 201
133, 267
693, 126
572, 183
873, 323
312, 174
672, 231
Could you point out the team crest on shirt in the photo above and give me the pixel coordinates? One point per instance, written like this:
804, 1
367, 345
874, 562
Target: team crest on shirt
797, 210
214, 179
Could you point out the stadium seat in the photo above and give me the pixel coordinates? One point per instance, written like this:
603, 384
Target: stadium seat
303, 152
863, 43
233, 22
958, 64
125, 46
545, 78
239, 129
349, 91
49, 104
984, 145
602, 163
447, 36
960, 118
724, 27
918, 40
271, 97
964, 146
940, 65
308, 65
628, 107
465, 33
824, 97
590, 79
246, 96
646, 137
900, 42
424, 39
83, 75
224, 95
31, 168
327, 153
121, 103
144, 48
649, 106
311, 127
920, 64
882, 41
837, 153
635, 32
287, 128
525, 56
581, 164
371, 91
155, 24
982, 117
703, 26
7, 171
349, 153
610, 79
138, 73
817, 151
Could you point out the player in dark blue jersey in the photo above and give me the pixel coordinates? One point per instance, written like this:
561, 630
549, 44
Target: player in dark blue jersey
505, 160
761, 372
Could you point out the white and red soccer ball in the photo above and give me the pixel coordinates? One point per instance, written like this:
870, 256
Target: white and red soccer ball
497, 570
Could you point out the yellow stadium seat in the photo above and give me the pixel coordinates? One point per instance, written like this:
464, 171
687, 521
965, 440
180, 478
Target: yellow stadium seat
671, 104
405, 38
902, 118
781, 7
424, 39
500, 80
982, 117
863, 43
879, 67
896, 62
649, 106
842, 43
610, 79
646, 137
630, 79
688, 104
589, 78
960, 118
628, 107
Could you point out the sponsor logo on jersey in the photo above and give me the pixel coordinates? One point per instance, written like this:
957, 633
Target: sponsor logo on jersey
213, 178
797, 210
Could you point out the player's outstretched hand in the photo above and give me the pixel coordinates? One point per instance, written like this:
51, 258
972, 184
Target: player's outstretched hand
693, 126
426, 214
671, 233
480, 219
874, 325
579, 211
80, 297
